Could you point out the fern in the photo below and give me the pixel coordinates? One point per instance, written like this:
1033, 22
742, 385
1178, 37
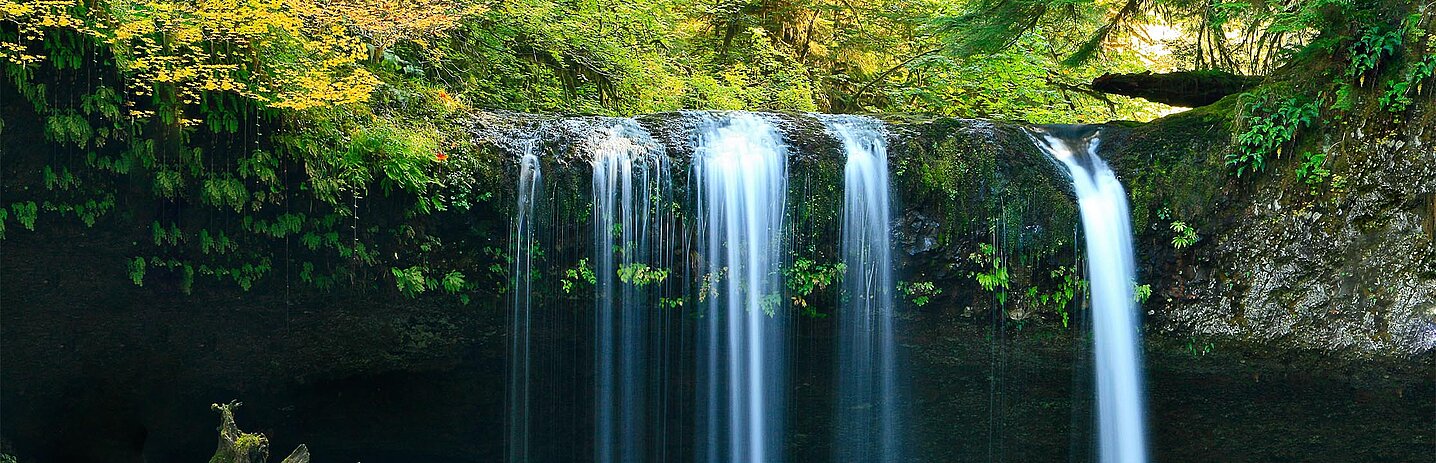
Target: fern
137, 270
26, 213
1269, 125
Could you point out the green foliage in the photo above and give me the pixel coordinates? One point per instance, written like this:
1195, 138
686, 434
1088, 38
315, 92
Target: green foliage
165, 236
412, 281
580, 272
88, 212
225, 191
1370, 50
217, 123
994, 277
1199, 348
63, 180
454, 283
1398, 95
1183, 235
1140, 293
1067, 286
137, 268
805, 277
243, 114
789, 55
708, 283
25, 213
919, 292
1312, 170
641, 275
68, 128
403, 154
1269, 123
1022, 81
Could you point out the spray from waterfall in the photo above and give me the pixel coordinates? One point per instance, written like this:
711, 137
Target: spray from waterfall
741, 175
1107, 227
868, 401
520, 318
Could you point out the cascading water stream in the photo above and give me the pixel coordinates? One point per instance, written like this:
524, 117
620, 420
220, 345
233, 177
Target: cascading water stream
1107, 227
868, 395
520, 326
741, 175
630, 177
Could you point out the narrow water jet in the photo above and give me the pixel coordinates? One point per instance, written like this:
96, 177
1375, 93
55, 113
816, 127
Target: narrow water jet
740, 169
520, 316
1106, 224
868, 397
630, 181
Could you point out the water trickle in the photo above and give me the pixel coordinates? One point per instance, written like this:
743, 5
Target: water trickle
868, 370
520, 326
1115, 324
741, 174
630, 180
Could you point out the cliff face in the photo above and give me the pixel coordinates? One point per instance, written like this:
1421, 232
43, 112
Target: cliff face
1283, 298
1344, 266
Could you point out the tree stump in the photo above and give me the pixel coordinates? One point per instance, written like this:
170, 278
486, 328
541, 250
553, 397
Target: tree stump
236, 446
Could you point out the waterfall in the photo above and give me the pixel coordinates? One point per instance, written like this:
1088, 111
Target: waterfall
630, 180
741, 175
518, 400
868, 397
1115, 324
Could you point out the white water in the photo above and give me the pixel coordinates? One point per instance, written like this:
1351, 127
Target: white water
520, 320
1107, 227
629, 176
868, 398
741, 176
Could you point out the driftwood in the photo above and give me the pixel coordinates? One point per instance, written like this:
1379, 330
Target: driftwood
1187, 89
236, 446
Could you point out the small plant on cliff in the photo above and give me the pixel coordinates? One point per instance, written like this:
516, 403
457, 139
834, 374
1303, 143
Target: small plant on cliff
1068, 285
411, 281
1199, 348
806, 277
994, 278
1140, 293
137, 267
1311, 171
1398, 95
25, 213
1183, 235
1270, 123
919, 292
1370, 50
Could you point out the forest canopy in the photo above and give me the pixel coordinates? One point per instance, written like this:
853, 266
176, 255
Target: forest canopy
1006, 59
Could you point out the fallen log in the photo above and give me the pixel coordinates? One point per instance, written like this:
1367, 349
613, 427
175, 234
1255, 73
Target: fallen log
1187, 89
